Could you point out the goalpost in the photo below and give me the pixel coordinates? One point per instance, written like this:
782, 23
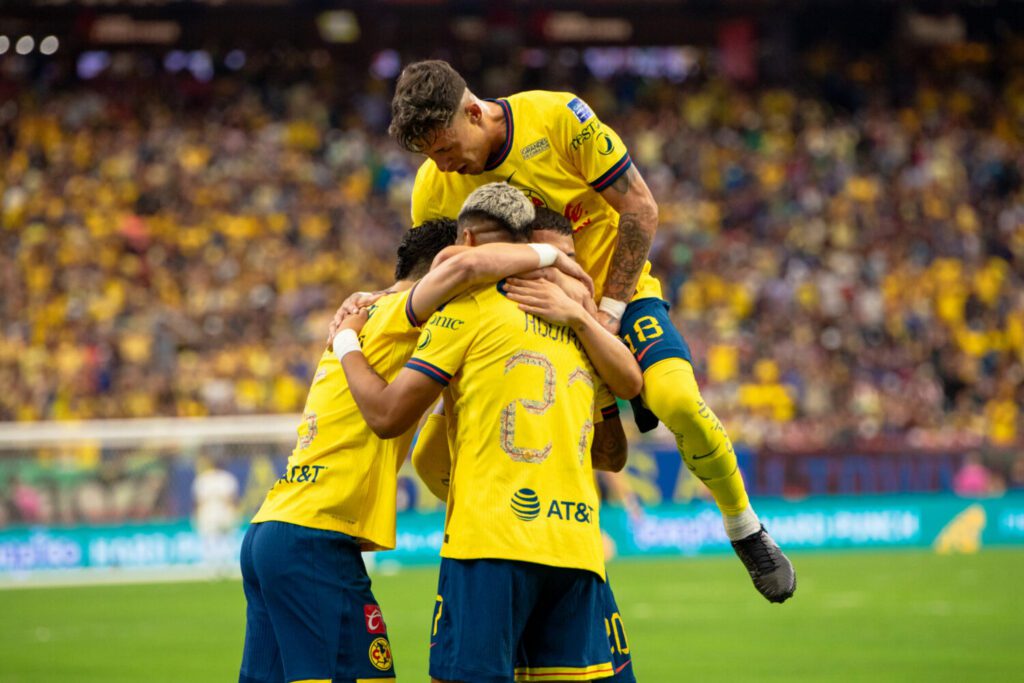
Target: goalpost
118, 494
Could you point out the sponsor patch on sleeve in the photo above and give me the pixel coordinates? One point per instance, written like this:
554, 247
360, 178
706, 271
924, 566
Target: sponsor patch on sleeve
580, 109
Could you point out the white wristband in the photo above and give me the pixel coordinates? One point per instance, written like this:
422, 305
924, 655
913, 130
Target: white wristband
547, 253
612, 307
345, 342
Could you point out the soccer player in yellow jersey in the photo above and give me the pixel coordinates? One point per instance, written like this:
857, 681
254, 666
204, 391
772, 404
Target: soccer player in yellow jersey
431, 456
553, 147
311, 615
522, 563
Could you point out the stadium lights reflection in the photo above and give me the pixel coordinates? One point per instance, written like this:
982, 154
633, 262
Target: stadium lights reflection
24, 45
175, 61
92, 64
49, 45
338, 26
201, 66
386, 65
234, 60
5, 44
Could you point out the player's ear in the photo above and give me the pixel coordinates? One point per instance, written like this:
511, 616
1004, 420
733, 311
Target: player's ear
473, 112
468, 238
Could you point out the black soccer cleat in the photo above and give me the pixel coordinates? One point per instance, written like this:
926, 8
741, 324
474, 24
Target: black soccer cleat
771, 571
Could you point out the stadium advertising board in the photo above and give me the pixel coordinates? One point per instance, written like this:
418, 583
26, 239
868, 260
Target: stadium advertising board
945, 522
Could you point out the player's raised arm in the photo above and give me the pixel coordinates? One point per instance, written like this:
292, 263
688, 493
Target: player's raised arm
389, 409
638, 221
601, 158
461, 268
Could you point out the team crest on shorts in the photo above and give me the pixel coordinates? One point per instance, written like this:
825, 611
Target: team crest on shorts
380, 654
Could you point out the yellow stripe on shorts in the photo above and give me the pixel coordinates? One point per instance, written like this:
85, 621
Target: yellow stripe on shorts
554, 673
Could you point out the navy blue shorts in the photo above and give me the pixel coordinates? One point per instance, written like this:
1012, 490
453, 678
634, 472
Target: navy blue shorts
310, 613
499, 621
648, 331
622, 658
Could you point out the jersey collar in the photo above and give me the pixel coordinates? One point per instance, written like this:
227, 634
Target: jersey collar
510, 127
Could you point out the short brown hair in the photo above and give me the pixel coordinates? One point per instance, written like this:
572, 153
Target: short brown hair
547, 219
426, 98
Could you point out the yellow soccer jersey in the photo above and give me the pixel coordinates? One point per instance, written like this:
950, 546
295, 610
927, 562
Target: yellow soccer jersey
559, 154
522, 397
341, 476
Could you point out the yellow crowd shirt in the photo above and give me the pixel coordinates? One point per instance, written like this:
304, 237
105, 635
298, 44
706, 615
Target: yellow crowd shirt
341, 476
522, 402
559, 154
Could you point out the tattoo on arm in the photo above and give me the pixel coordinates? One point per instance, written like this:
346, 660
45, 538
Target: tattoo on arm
608, 450
629, 257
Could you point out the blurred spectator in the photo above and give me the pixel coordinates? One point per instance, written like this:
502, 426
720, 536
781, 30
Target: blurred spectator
216, 515
846, 273
973, 479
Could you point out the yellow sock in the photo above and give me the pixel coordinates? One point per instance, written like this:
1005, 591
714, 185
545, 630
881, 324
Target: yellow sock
671, 392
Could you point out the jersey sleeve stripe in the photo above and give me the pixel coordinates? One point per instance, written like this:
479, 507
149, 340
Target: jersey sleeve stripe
409, 313
612, 174
432, 371
610, 411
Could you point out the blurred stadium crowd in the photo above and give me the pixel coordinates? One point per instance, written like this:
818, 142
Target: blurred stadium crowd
845, 255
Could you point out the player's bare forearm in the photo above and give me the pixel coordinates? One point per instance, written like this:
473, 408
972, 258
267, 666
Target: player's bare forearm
638, 222
612, 360
389, 409
463, 268
610, 448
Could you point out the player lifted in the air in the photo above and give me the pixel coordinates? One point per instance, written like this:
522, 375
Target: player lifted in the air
554, 148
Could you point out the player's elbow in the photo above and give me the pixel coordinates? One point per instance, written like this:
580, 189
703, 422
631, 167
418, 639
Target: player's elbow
629, 385
386, 424
610, 461
610, 449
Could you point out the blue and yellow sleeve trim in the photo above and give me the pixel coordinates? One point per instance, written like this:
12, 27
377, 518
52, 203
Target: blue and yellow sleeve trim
409, 314
613, 173
430, 370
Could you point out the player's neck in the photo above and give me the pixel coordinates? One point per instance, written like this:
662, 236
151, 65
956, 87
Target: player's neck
401, 285
494, 116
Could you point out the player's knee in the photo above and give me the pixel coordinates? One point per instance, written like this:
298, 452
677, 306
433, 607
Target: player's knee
671, 392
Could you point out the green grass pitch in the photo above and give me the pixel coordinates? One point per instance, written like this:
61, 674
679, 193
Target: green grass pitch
857, 616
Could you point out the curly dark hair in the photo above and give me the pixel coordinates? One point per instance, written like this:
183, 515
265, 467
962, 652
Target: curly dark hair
427, 96
421, 244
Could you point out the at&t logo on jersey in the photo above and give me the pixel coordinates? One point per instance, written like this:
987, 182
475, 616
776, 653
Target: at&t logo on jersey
525, 505
571, 511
